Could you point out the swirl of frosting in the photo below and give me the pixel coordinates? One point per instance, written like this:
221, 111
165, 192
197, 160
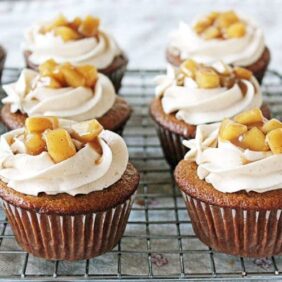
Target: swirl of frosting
82, 173
99, 52
243, 51
78, 104
198, 105
230, 168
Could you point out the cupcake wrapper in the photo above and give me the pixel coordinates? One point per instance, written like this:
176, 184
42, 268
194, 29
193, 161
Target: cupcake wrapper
117, 76
171, 143
240, 232
68, 237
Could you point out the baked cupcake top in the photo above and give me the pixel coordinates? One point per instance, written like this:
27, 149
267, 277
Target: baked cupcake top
77, 93
79, 41
199, 93
222, 36
240, 154
61, 156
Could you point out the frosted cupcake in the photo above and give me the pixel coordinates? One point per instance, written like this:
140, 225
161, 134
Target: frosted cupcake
223, 36
78, 41
67, 187
77, 93
231, 181
197, 94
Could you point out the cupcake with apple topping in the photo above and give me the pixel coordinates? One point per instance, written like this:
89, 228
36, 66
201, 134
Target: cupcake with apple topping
197, 94
231, 181
67, 187
71, 92
221, 36
79, 41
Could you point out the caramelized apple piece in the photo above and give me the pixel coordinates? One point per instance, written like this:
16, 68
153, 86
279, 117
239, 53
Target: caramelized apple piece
72, 77
40, 124
211, 32
87, 131
66, 33
254, 139
242, 73
89, 26
249, 117
59, 144
226, 19
75, 23
203, 24
274, 140
212, 16
48, 67
271, 125
207, 78
59, 21
34, 143
188, 67
90, 74
230, 130
50, 82
236, 30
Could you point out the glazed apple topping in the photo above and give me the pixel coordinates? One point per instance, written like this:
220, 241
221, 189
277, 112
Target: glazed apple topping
55, 75
72, 30
207, 76
251, 130
220, 25
44, 134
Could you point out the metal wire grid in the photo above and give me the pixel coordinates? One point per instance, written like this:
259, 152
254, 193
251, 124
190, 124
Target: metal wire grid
159, 242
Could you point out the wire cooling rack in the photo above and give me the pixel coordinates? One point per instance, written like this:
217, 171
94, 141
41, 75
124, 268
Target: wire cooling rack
159, 242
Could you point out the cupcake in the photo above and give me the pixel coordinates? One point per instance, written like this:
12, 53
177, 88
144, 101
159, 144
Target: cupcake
67, 187
221, 36
231, 181
78, 41
77, 93
198, 94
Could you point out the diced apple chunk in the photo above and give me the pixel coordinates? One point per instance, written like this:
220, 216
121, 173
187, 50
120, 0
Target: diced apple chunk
274, 140
34, 143
87, 131
242, 73
72, 77
207, 78
66, 33
59, 144
254, 139
40, 124
271, 125
203, 24
89, 26
61, 20
48, 67
236, 30
230, 130
226, 19
90, 74
188, 67
249, 117
211, 32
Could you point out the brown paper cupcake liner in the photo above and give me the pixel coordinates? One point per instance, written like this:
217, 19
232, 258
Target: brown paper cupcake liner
68, 237
236, 231
171, 143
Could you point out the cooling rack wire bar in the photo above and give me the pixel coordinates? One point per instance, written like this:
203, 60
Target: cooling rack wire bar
159, 242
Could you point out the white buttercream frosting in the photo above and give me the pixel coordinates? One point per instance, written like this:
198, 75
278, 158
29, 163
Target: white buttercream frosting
97, 51
197, 105
230, 168
242, 51
82, 173
78, 104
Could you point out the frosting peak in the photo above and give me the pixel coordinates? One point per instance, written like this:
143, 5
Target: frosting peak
235, 160
241, 50
86, 171
210, 95
76, 103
